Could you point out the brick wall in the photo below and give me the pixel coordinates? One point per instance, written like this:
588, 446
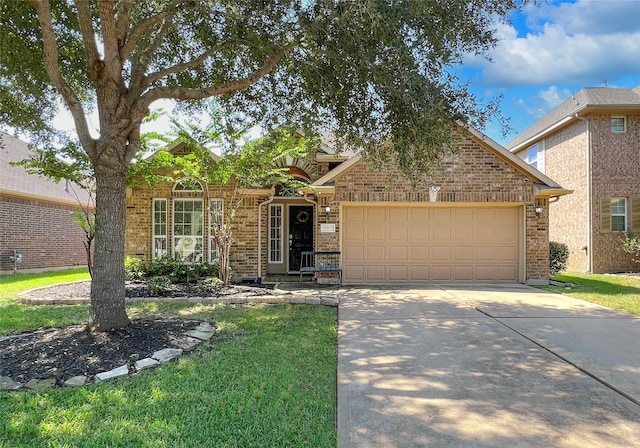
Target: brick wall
475, 175
244, 253
42, 231
616, 173
566, 162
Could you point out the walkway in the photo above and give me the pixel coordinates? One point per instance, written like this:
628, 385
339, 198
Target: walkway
479, 366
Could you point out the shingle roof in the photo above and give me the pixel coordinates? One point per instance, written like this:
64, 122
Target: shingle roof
584, 98
16, 181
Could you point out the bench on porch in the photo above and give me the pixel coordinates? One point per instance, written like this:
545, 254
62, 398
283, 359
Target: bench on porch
315, 261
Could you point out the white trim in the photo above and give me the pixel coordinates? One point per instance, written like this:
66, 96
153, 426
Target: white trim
278, 228
155, 235
624, 123
175, 236
626, 215
219, 201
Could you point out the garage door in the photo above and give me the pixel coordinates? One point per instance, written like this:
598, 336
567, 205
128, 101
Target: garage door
422, 243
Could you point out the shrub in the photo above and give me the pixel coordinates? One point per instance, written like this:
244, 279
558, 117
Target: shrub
159, 284
558, 255
211, 284
134, 268
631, 245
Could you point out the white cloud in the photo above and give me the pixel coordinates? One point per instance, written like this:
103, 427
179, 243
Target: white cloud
568, 43
543, 102
552, 96
591, 17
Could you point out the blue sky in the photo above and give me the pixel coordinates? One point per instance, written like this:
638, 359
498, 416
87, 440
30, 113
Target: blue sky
554, 50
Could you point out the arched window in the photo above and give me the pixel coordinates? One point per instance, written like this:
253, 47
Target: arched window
187, 185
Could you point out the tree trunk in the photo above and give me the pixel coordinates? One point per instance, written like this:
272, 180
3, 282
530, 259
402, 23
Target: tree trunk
107, 310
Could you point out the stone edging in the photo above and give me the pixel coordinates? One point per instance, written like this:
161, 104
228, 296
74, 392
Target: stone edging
188, 342
308, 297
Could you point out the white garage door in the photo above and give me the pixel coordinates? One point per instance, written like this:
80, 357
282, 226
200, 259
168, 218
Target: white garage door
422, 243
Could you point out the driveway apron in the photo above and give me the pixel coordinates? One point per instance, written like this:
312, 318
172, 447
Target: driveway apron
485, 366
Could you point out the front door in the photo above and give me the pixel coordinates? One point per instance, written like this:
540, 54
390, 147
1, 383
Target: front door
300, 233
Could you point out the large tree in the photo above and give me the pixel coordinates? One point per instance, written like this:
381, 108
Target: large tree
373, 71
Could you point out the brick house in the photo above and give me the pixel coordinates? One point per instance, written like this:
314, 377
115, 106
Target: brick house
35, 216
488, 222
591, 144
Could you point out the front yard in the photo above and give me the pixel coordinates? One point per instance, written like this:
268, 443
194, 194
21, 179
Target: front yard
621, 292
268, 379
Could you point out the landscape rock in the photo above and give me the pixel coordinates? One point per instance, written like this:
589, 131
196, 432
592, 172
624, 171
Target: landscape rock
167, 354
186, 343
202, 335
7, 383
146, 363
205, 327
35, 384
118, 371
76, 381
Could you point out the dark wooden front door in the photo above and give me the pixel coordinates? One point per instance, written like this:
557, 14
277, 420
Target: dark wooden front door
300, 233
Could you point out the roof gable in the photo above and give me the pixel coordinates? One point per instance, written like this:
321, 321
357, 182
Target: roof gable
487, 143
16, 181
579, 103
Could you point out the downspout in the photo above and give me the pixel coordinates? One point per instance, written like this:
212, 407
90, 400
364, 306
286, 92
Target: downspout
315, 218
267, 202
589, 247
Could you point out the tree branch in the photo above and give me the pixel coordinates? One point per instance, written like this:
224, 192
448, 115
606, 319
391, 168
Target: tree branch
88, 38
153, 77
180, 93
123, 20
112, 59
137, 77
52, 67
144, 25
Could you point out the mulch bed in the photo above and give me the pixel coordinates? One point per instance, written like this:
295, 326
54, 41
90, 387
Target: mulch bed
62, 353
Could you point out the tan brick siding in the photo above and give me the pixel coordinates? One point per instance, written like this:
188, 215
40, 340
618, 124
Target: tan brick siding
475, 175
616, 173
244, 256
42, 231
566, 163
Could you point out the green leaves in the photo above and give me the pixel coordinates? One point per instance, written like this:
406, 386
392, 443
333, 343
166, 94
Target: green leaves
372, 71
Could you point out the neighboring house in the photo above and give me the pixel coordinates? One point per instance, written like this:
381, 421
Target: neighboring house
591, 144
487, 224
35, 216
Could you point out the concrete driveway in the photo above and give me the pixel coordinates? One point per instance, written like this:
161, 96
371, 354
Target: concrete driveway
485, 366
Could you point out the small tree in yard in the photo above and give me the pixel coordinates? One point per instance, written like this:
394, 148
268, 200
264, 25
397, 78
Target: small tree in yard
373, 71
244, 168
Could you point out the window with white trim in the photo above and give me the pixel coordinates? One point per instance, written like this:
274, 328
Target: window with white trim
216, 213
188, 229
159, 238
275, 233
618, 125
618, 215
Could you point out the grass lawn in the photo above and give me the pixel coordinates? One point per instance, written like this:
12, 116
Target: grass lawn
613, 291
267, 380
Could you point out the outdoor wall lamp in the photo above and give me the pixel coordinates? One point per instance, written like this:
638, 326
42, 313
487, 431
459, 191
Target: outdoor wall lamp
538, 210
327, 209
